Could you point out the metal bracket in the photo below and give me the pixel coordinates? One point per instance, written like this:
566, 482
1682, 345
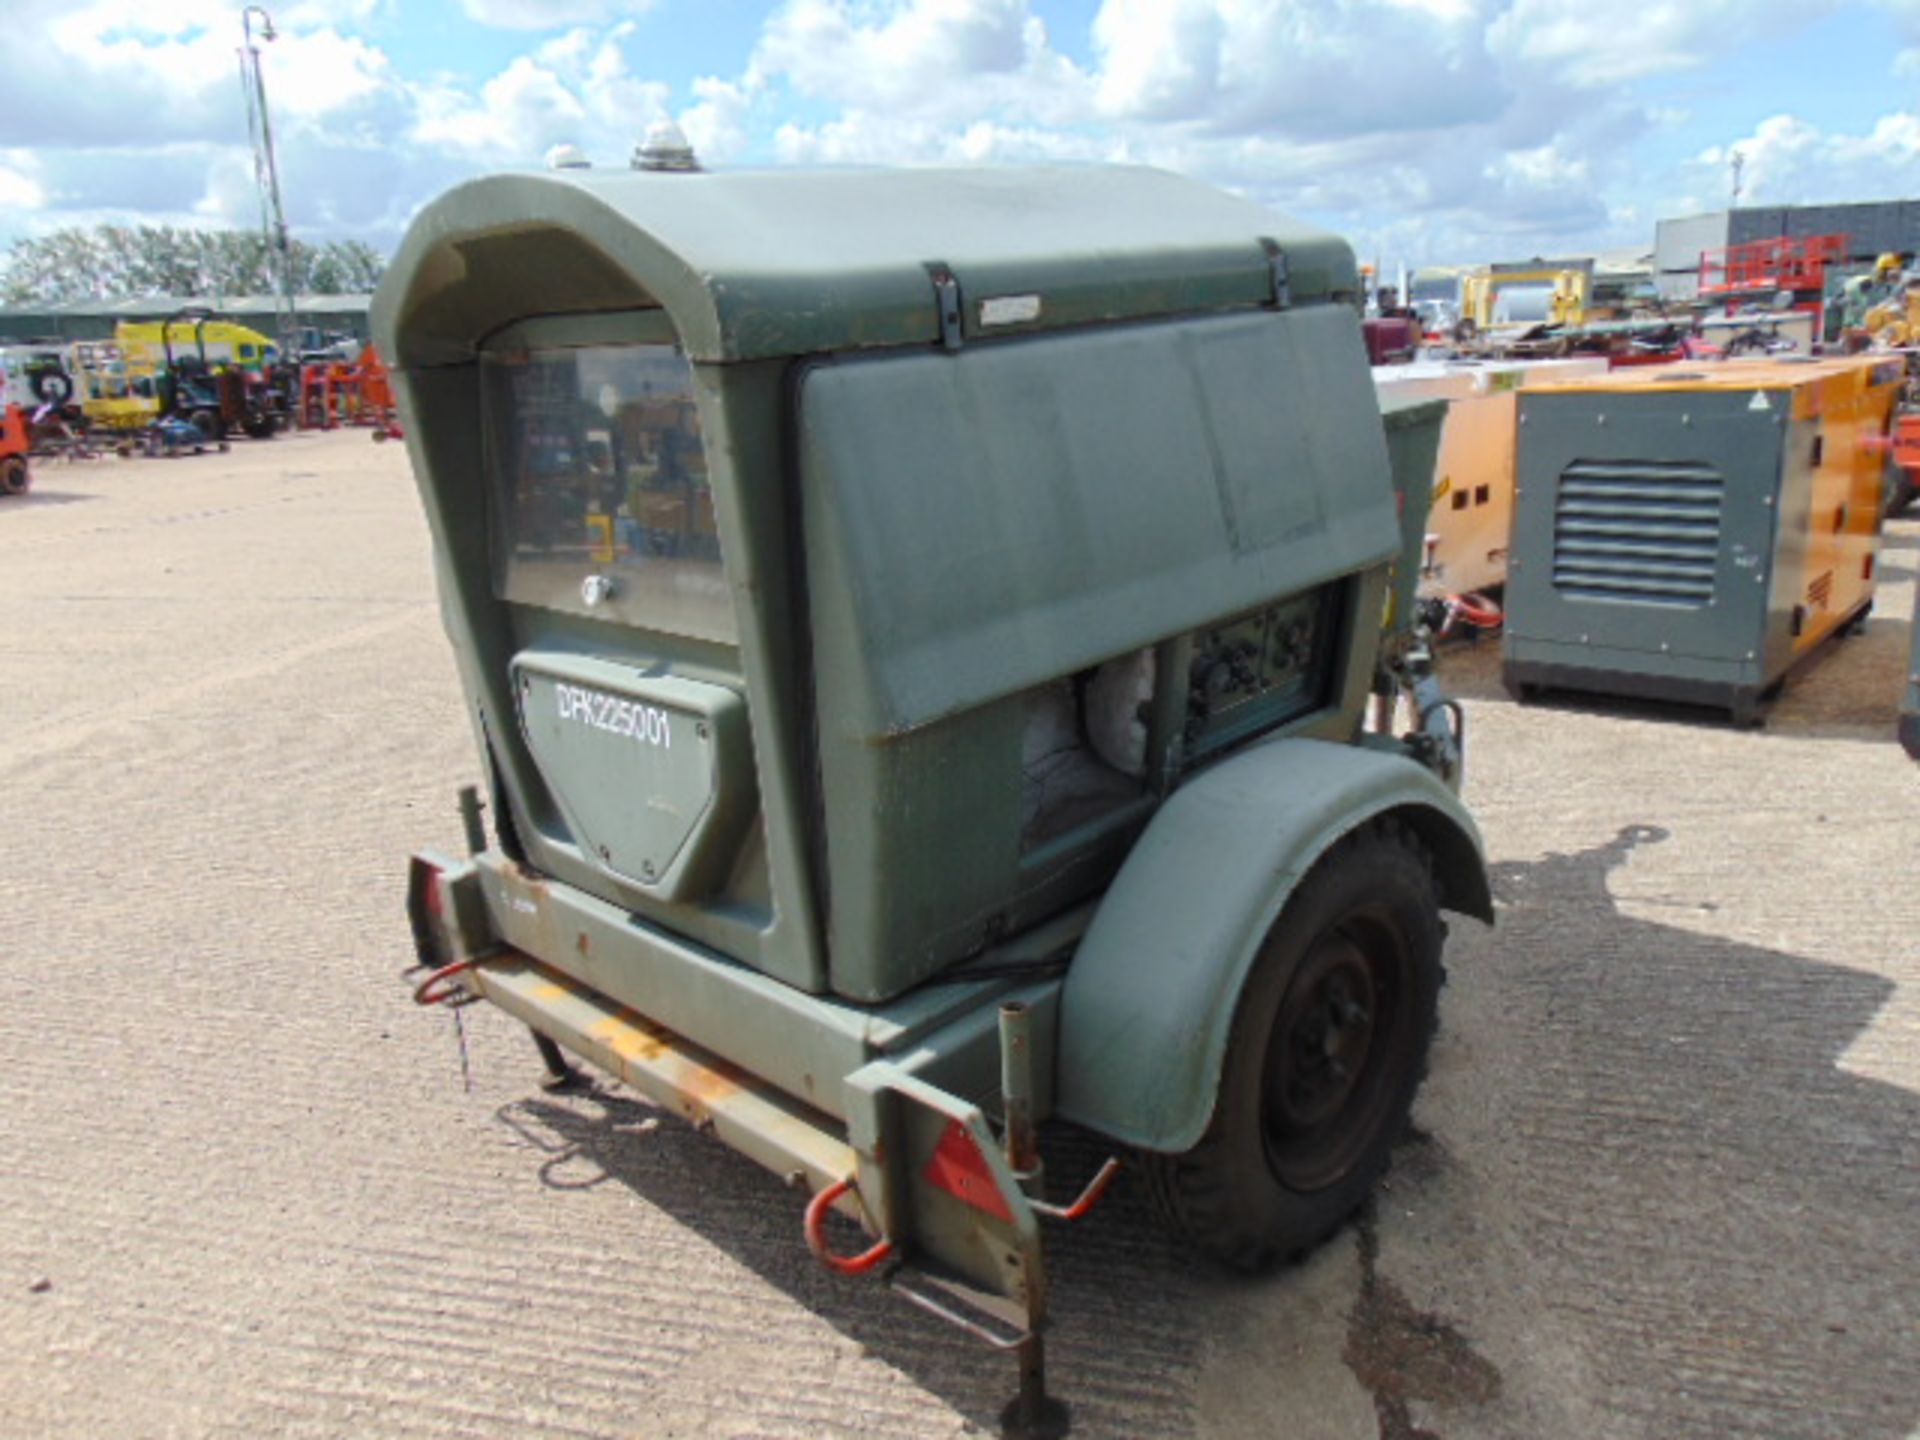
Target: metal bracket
1281, 296
947, 304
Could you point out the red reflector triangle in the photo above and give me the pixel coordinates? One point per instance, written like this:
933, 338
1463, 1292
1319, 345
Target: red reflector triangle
959, 1168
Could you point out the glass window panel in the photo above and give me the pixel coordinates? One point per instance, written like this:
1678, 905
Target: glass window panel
600, 471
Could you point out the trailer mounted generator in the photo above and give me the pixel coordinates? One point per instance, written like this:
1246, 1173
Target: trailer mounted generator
1693, 534
918, 629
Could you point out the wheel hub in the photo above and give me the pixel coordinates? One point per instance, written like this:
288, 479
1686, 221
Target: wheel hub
1329, 1031
1327, 1077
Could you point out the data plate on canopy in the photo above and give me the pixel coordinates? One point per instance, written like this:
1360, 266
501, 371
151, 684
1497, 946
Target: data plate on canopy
637, 763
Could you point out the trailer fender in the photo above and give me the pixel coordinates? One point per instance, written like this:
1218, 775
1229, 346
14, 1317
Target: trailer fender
1150, 995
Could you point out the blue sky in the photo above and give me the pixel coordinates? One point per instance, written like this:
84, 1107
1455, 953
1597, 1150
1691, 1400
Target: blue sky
1426, 130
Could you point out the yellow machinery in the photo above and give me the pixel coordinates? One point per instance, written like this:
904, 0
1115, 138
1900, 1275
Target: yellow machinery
1692, 533
1520, 296
109, 392
144, 344
117, 384
1895, 322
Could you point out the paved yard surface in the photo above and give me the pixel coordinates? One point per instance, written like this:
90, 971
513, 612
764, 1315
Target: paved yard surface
1666, 1182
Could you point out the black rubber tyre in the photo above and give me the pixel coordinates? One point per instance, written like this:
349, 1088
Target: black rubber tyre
259, 426
1327, 1048
14, 476
207, 423
51, 386
1897, 491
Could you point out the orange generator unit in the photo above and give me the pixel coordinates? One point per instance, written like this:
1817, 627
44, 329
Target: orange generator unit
1693, 534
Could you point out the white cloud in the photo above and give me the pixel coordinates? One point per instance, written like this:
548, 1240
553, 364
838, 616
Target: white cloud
1386, 115
945, 58
312, 14
868, 139
615, 98
20, 187
1905, 15
115, 73
1789, 161
1430, 128
321, 71
518, 113
1340, 67
716, 123
1596, 45
231, 197
576, 88
1158, 61
548, 14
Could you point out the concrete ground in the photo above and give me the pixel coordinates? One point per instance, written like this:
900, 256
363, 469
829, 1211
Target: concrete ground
1663, 1184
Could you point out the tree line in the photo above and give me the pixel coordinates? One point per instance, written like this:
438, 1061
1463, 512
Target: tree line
105, 262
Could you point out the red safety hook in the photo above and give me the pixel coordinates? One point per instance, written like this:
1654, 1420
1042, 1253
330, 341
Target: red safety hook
425, 994
815, 1225
1088, 1197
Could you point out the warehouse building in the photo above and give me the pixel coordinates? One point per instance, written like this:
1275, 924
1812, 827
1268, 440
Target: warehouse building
1870, 228
95, 319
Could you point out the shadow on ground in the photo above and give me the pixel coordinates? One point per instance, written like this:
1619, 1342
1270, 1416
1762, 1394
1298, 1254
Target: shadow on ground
37, 497
1717, 1210
1717, 1218
1122, 1351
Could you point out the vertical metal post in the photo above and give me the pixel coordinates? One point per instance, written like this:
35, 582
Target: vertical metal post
470, 808
1386, 707
266, 169
560, 1075
1033, 1414
1016, 1093
1167, 711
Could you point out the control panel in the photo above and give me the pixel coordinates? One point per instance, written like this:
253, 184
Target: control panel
1259, 670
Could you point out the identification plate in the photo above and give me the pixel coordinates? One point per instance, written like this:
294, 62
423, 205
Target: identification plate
632, 770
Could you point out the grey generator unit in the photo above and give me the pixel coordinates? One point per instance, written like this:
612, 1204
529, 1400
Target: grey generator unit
1693, 534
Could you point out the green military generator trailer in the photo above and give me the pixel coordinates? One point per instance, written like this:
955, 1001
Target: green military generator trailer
919, 630
1693, 534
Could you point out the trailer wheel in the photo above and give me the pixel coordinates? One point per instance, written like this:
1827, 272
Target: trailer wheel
1327, 1048
14, 478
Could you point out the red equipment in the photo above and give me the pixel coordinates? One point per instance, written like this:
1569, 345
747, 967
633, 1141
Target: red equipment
336, 393
1390, 339
1798, 265
1906, 441
14, 444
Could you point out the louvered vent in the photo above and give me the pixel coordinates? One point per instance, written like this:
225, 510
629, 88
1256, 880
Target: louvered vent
1644, 531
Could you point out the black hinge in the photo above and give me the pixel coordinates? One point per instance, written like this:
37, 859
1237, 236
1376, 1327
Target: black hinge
1281, 295
946, 303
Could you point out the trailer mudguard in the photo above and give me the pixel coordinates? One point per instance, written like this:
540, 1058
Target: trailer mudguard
1150, 996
